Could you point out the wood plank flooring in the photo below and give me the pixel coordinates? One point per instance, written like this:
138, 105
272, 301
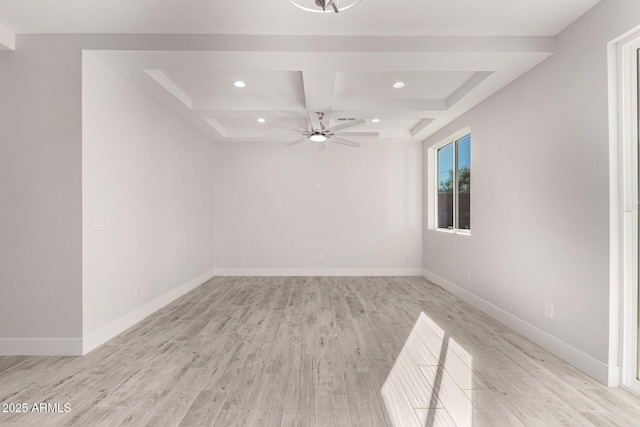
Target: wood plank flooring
313, 352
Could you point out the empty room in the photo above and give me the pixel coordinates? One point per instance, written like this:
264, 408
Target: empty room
319, 213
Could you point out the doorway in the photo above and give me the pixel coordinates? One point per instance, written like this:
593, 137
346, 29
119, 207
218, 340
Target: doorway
630, 194
631, 227
636, 383
624, 103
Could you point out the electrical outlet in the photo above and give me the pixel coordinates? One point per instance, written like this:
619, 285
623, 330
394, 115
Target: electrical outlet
136, 292
320, 258
407, 257
241, 257
548, 310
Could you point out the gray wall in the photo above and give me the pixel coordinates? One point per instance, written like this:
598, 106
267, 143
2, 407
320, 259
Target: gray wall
150, 174
40, 192
364, 217
540, 191
41, 214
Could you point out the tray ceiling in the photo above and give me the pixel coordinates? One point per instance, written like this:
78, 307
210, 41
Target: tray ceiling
348, 78
450, 55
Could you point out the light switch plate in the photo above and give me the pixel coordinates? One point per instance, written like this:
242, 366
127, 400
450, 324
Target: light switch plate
100, 224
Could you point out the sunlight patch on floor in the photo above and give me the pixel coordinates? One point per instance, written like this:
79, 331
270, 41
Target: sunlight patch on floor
425, 387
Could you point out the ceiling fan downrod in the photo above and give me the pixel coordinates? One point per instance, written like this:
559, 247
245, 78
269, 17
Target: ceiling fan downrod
324, 4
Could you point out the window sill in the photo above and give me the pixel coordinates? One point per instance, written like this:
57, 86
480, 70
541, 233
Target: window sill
448, 231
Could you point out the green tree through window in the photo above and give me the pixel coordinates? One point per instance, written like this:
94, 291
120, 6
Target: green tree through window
454, 184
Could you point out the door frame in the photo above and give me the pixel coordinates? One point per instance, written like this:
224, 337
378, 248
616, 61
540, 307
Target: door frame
624, 250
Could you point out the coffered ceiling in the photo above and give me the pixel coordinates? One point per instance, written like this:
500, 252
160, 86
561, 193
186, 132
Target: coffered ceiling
450, 55
345, 79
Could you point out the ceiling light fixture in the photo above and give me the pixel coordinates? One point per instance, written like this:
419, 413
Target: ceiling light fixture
375, 121
318, 138
261, 120
324, 6
239, 83
398, 85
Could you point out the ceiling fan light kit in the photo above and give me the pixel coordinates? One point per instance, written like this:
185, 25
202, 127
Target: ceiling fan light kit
318, 138
324, 6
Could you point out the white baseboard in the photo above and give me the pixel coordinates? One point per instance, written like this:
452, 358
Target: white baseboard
40, 346
581, 360
630, 390
614, 376
114, 328
252, 272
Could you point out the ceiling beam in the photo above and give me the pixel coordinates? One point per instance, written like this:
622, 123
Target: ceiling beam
163, 80
467, 87
327, 43
217, 129
319, 86
386, 105
299, 113
371, 114
254, 103
422, 125
7, 39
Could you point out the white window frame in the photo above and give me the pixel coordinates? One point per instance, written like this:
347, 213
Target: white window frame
432, 183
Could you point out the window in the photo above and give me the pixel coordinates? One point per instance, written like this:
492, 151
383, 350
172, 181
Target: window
453, 203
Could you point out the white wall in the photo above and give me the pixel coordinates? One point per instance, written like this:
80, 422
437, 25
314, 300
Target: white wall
365, 218
150, 174
40, 197
42, 224
540, 199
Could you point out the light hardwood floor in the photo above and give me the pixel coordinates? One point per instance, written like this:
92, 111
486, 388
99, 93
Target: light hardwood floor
314, 351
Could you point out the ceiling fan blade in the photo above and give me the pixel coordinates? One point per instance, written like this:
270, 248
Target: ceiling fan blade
347, 125
369, 134
315, 121
285, 126
297, 141
343, 141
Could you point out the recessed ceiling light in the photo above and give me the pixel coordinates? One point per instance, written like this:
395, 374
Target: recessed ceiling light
375, 121
398, 85
261, 120
318, 138
239, 83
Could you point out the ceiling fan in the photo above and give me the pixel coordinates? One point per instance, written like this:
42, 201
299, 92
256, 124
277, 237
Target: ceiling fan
318, 133
324, 4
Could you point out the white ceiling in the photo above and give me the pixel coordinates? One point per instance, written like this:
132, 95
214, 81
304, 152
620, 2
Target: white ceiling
279, 17
451, 54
